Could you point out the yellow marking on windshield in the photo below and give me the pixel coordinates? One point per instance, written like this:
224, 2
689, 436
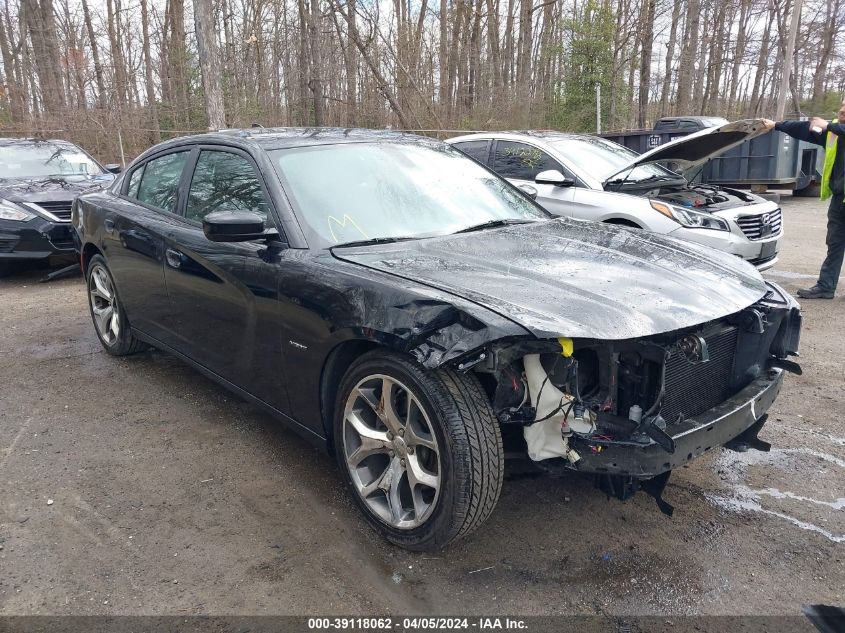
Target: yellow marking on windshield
342, 224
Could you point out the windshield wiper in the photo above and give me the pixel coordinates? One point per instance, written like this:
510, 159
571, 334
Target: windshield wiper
492, 224
375, 240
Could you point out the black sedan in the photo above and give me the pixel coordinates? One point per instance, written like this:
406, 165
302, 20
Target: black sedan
39, 180
404, 307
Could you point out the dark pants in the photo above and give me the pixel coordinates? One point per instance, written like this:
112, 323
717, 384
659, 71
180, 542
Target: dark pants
832, 266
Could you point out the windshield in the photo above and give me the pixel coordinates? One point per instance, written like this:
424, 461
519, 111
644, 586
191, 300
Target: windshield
43, 158
365, 191
602, 159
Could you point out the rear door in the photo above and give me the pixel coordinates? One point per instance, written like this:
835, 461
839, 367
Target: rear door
133, 240
225, 294
520, 163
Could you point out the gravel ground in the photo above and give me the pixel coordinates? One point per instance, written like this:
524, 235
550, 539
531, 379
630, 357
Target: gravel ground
137, 486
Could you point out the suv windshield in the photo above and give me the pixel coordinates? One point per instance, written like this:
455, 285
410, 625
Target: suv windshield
602, 159
369, 191
41, 159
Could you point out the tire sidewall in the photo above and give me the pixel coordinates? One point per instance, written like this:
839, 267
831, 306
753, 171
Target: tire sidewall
445, 521
124, 341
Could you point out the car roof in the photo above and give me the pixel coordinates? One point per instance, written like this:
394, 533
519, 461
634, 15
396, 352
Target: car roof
542, 135
7, 142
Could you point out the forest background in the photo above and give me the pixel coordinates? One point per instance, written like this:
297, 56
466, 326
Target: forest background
118, 75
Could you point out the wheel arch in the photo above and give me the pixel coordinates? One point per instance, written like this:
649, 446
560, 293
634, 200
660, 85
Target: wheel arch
88, 251
337, 362
622, 222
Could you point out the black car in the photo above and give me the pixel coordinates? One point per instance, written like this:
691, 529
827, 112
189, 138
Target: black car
39, 181
401, 305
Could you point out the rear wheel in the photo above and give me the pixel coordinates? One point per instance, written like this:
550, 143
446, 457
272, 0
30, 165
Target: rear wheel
108, 316
421, 450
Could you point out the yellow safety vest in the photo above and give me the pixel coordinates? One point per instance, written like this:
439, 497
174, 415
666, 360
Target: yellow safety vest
829, 158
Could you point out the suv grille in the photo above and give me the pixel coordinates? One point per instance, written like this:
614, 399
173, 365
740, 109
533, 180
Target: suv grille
761, 225
61, 208
693, 388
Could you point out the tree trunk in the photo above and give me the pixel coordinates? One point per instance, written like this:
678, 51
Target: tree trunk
670, 52
688, 51
209, 64
647, 32
42, 33
316, 83
15, 93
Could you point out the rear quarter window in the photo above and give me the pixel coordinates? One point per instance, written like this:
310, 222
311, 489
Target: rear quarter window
134, 182
475, 149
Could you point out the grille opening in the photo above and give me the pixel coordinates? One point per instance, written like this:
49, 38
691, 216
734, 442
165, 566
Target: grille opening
761, 225
59, 208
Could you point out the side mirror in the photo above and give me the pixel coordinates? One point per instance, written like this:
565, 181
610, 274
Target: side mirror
553, 177
233, 226
113, 168
528, 190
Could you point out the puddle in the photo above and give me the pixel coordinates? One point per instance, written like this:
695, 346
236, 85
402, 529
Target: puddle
734, 469
738, 504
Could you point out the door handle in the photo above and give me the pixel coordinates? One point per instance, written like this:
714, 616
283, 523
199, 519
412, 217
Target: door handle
174, 258
108, 223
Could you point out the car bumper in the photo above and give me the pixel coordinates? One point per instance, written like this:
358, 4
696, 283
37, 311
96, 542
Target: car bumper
761, 253
36, 239
692, 437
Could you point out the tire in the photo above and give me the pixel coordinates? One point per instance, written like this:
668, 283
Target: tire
810, 191
453, 440
107, 314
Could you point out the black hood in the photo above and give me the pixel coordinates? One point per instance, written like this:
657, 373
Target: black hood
578, 279
51, 188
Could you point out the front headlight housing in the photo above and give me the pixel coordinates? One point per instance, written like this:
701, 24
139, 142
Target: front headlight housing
12, 211
689, 218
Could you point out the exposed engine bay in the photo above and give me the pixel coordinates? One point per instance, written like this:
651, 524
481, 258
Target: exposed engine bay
632, 410
702, 197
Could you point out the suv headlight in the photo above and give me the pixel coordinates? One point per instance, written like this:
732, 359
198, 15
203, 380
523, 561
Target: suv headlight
12, 211
690, 218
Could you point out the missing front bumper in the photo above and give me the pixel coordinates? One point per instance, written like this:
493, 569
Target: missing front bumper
692, 438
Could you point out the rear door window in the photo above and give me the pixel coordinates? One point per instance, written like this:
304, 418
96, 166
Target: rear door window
160, 182
521, 161
224, 181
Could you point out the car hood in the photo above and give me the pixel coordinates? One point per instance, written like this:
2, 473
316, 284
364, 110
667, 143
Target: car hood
566, 277
696, 149
53, 188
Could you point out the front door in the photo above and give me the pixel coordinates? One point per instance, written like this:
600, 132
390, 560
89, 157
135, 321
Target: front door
520, 163
225, 294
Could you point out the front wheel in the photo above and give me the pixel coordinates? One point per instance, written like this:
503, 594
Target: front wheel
421, 450
108, 315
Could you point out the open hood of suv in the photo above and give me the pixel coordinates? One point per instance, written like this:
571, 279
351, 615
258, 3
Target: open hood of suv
696, 149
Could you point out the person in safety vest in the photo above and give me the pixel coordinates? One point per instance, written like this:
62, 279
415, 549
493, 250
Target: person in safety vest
826, 134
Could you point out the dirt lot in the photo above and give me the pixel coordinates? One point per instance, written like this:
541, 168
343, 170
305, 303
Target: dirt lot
137, 486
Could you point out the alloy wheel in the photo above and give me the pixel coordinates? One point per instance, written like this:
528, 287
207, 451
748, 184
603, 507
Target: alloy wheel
391, 451
104, 305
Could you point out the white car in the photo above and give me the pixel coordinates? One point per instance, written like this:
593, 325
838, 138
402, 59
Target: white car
591, 178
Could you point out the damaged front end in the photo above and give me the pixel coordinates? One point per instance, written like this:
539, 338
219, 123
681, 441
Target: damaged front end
630, 411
